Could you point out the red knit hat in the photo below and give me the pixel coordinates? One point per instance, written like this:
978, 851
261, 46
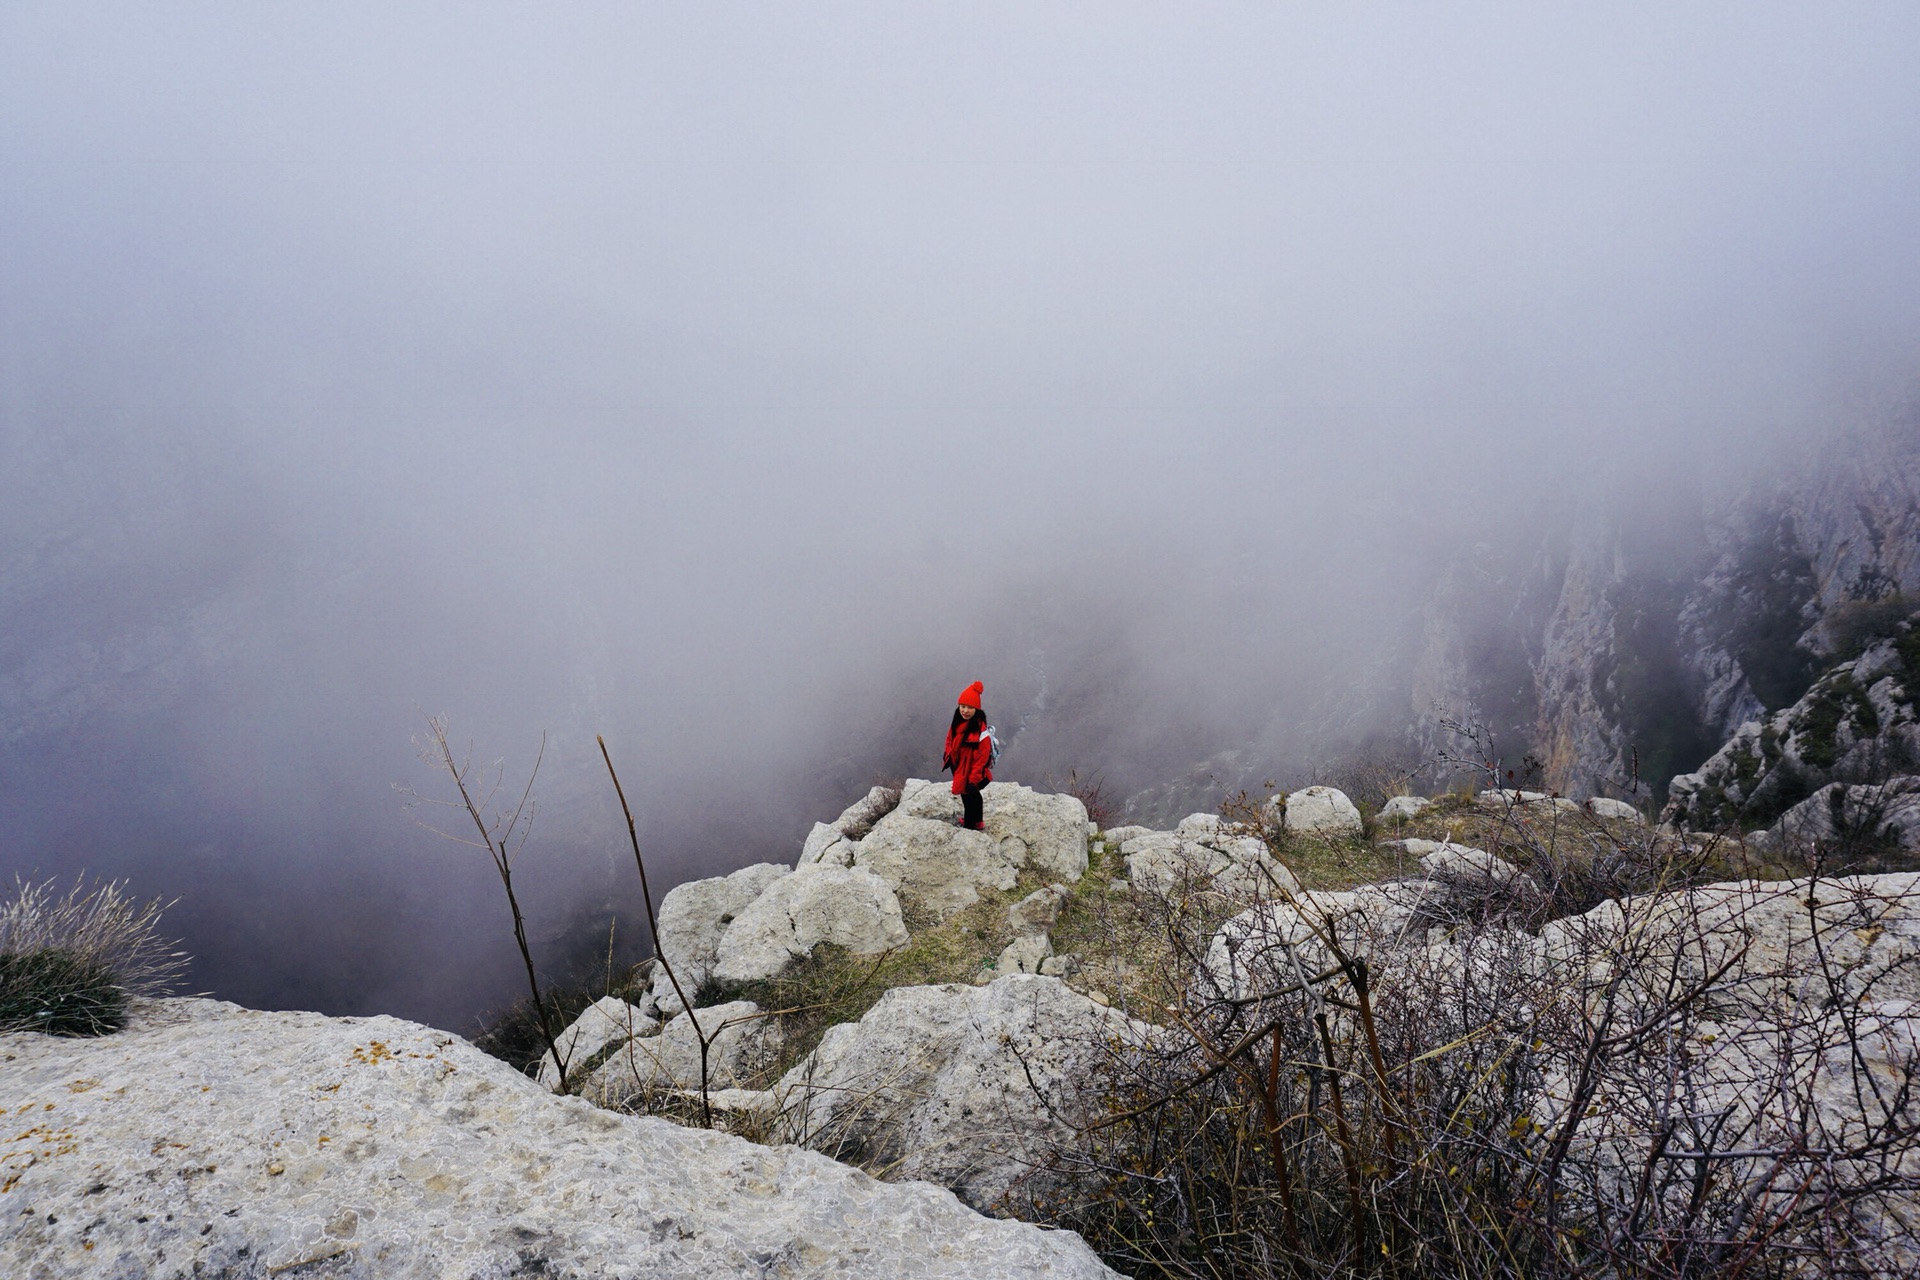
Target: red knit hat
970, 696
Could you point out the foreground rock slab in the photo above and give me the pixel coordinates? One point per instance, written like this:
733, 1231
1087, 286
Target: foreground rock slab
213, 1141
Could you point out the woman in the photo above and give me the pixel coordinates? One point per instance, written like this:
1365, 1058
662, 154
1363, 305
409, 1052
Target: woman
969, 754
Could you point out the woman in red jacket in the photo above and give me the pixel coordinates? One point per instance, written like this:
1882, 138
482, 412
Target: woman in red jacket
969, 754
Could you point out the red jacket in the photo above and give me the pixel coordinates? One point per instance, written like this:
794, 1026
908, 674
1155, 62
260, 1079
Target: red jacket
969, 754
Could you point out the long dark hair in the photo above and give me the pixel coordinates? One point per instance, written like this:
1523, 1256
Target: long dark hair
978, 722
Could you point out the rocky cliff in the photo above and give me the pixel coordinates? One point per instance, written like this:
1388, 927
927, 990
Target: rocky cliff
1616, 646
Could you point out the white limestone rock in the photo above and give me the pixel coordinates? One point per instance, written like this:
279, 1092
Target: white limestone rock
1039, 911
938, 1082
1323, 811
920, 849
606, 1020
1053, 828
1887, 812
848, 906
691, 919
1404, 808
1274, 944
1238, 867
1201, 827
832, 843
742, 1044
209, 1140
826, 845
1448, 861
1503, 798
939, 864
1117, 836
1868, 928
1025, 954
1615, 810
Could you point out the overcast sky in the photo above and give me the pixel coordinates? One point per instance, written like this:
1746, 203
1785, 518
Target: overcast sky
740, 381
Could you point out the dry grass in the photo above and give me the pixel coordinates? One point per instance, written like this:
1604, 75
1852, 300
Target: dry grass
70, 962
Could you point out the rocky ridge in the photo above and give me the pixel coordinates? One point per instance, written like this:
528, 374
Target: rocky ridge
1841, 765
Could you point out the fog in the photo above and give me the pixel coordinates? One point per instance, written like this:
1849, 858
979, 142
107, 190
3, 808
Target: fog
739, 382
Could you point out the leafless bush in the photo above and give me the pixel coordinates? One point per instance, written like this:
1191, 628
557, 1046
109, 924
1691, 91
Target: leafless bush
1710, 1082
502, 832
1103, 808
70, 962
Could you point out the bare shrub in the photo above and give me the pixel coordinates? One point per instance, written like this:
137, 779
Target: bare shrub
1712, 1081
1103, 808
71, 962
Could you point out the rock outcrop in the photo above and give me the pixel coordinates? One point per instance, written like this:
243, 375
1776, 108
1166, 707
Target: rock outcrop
1404, 808
847, 906
966, 1086
606, 1021
1234, 866
209, 1140
692, 919
742, 1044
1321, 811
1842, 760
920, 849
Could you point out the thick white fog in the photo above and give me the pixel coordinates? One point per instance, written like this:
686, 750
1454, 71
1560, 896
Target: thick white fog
740, 381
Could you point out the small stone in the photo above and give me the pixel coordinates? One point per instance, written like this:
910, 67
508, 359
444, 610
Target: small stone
1100, 998
275, 1169
1064, 966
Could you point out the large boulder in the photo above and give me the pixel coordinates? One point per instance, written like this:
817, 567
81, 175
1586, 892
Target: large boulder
1051, 828
920, 848
1404, 808
209, 1140
1858, 935
692, 919
942, 866
605, 1021
970, 1087
832, 843
848, 906
742, 1044
1233, 866
1321, 811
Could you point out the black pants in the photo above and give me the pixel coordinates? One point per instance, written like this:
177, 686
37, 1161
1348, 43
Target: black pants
970, 808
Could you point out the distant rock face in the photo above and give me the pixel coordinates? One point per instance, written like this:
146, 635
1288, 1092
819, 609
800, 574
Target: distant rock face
692, 919
1322, 811
939, 1083
1612, 640
1856, 726
208, 1140
848, 906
